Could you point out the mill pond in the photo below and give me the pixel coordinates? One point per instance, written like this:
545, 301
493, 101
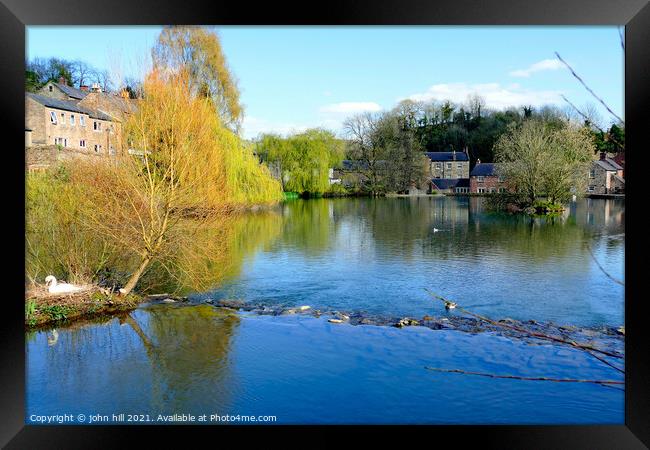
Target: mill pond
370, 259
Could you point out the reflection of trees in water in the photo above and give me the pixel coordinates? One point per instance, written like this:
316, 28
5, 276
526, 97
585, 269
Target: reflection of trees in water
400, 227
188, 349
214, 254
308, 225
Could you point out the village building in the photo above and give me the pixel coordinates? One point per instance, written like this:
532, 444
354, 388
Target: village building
605, 177
61, 120
450, 165
66, 124
62, 91
449, 185
485, 179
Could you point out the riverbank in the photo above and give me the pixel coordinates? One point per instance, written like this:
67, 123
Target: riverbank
43, 310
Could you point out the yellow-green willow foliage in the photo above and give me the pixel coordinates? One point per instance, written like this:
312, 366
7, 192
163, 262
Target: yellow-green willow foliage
198, 50
247, 181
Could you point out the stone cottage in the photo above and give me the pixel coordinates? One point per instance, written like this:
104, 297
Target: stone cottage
450, 165
605, 177
66, 124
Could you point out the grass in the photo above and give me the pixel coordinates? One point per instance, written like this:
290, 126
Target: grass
44, 310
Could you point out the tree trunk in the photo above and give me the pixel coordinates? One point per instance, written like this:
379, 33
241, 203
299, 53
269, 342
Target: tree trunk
136, 276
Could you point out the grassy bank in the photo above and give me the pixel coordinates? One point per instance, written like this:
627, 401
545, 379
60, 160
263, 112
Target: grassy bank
43, 309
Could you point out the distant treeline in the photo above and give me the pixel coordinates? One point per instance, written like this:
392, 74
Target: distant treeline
445, 126
40, 71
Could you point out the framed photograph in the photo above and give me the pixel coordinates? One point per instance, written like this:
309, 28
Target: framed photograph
387, 218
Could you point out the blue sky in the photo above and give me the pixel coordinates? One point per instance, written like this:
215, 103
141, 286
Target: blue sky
292, 78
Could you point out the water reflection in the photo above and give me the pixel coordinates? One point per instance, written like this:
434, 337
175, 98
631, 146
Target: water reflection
379, 255
171, 359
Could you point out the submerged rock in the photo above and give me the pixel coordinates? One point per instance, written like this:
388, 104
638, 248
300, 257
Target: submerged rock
235, 304
334, 320
303, 308
406, 322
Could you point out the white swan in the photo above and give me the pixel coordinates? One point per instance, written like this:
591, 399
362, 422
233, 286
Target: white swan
56, 288
52, 340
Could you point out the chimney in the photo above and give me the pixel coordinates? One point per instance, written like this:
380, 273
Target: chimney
478, 161
62, 80
453, 154
603, 155
95, 87
83, 87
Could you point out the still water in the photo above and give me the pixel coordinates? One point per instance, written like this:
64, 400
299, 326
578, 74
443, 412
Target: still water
374, 255
379, 255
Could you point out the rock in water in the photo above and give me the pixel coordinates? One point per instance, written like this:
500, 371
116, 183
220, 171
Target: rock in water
335, 321
303, 308
169, 300
406, 322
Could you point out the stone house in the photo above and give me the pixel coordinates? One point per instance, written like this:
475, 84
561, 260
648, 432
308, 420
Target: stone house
450, 165
484, 179
80, 120
66, 124
605, 177
62, 91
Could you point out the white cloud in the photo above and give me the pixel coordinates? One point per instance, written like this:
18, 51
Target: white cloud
350, 107
495, 95
546, 64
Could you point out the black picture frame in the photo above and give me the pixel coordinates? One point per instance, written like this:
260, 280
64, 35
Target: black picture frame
635, 15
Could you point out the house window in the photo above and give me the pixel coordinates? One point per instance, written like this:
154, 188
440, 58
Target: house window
502, 178
502, 190
438, 166
592, 173
459, 166
591, 188
62, 119
480, 179
492, 190
462, 190
448, 165
97, 126
481, 190
72, 119
53, 117
111, 150
50, 88
82, 143
82, 121
98, 148
61, 141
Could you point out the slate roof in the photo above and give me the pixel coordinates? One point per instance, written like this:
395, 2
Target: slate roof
447, 156
484, 170
72, 91
448, 183
609, 164
67, 105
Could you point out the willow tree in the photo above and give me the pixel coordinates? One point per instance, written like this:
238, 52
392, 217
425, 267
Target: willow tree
199, 51
304, 159
147, 200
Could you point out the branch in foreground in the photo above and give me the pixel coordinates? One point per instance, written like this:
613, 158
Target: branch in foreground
586, 347
516, 377
576, 76
584, 116
602, 269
